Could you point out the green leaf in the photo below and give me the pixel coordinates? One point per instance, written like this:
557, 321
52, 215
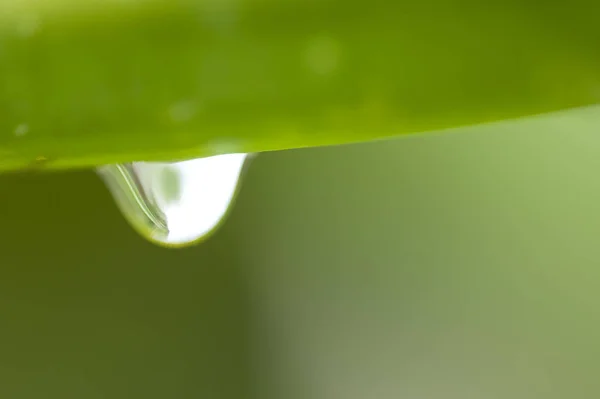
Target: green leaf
91, 82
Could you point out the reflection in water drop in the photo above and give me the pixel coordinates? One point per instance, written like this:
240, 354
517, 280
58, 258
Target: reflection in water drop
175, 203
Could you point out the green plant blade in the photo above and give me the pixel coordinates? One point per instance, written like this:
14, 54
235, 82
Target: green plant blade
84, 83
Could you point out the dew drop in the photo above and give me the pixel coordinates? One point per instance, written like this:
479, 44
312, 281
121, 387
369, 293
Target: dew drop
175, 203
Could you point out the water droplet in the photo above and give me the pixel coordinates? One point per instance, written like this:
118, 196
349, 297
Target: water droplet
175, 203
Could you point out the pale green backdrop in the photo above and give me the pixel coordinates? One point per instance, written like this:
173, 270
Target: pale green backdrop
463, 265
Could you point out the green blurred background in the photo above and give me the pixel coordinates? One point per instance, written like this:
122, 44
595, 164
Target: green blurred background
459, 265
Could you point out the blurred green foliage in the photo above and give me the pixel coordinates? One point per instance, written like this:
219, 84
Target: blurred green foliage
94, 82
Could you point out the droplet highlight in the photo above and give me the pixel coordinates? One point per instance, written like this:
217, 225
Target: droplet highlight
177, 203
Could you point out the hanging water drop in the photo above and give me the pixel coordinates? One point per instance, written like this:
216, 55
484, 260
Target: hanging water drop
175, 203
